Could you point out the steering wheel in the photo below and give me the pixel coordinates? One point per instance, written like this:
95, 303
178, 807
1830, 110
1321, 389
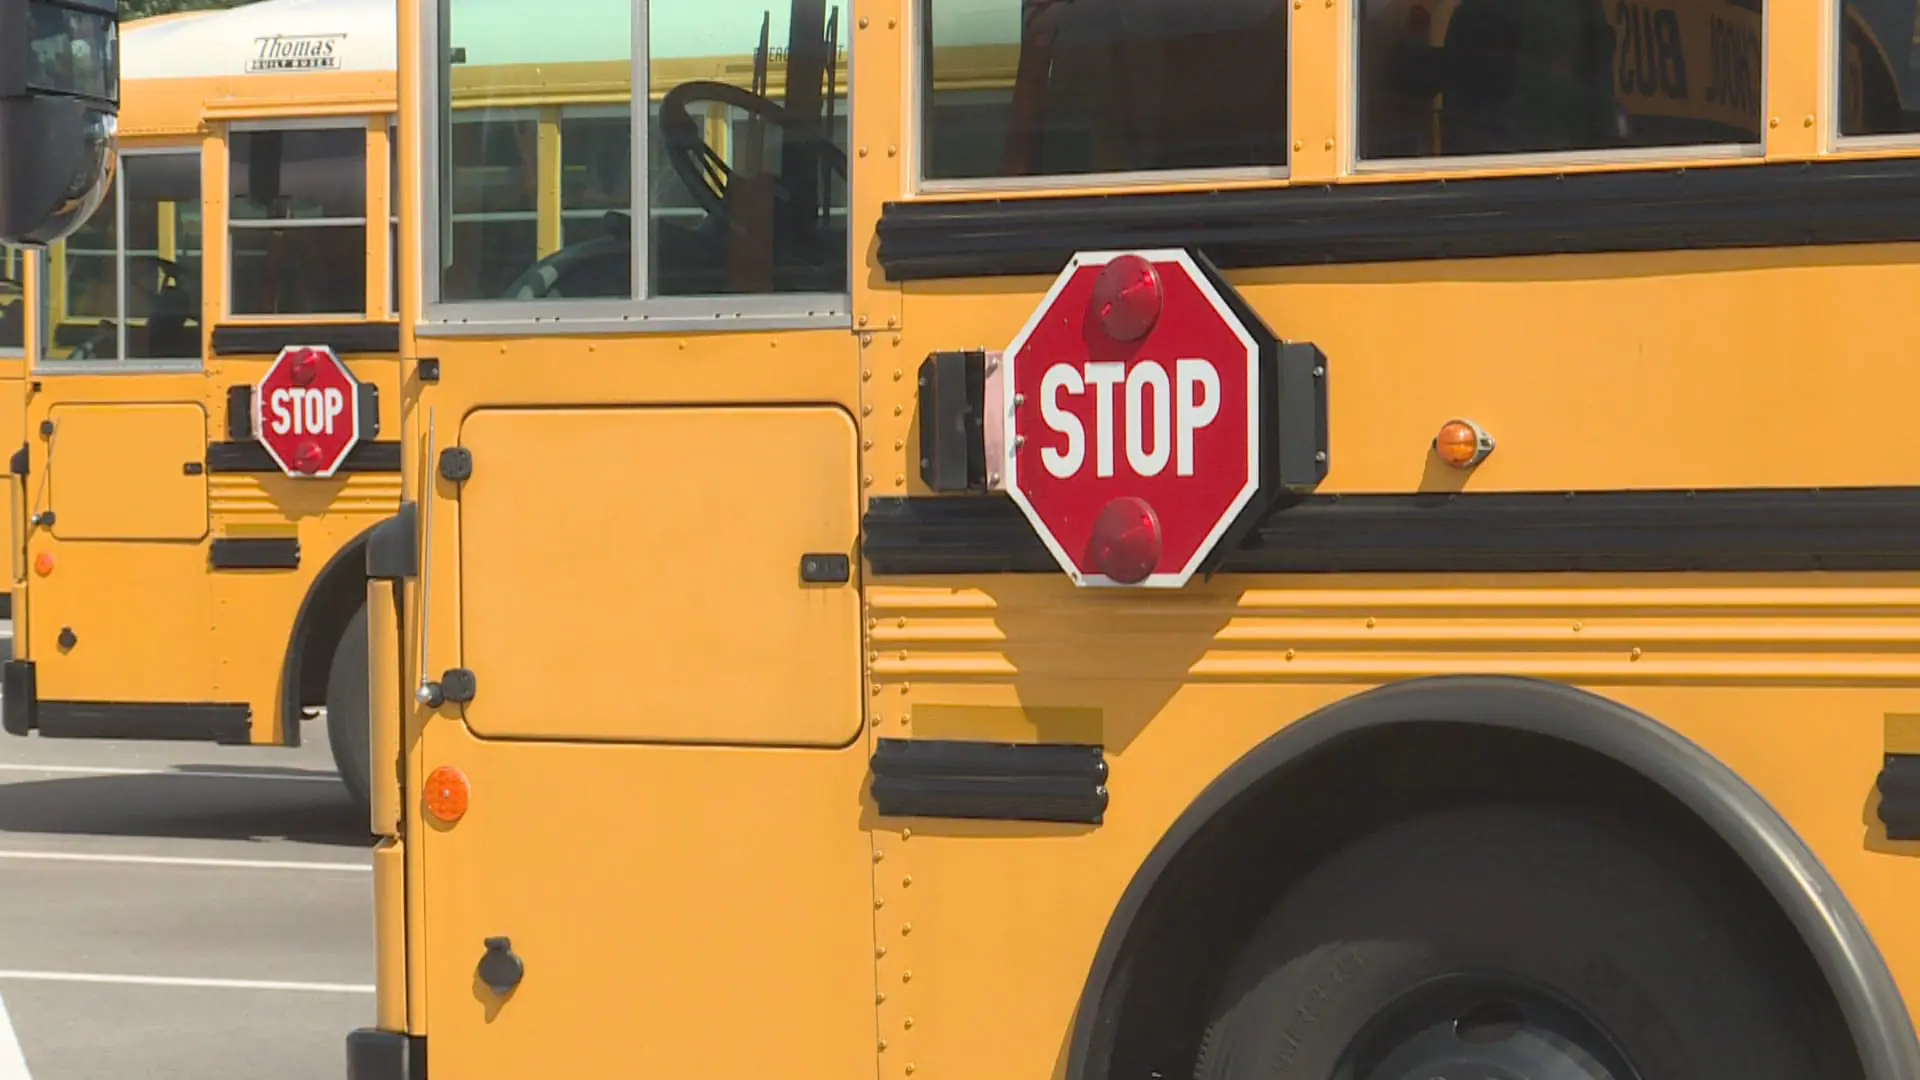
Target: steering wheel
696, 163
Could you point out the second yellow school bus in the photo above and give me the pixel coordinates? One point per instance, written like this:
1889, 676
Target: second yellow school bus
1553, 713
170, 582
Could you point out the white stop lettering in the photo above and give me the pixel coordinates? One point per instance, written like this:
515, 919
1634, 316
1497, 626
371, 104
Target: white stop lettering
1162, 415
309, 411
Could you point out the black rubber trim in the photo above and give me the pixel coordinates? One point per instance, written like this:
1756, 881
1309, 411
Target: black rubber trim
343, 338
386, 1055
1899, 788
249, 553
19, 697
939, 778
1735, 206
1646, 531
1869, 998
247, 457
393, 547
228, 725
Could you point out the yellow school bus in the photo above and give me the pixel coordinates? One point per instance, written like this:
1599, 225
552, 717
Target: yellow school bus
172, 581
792, 653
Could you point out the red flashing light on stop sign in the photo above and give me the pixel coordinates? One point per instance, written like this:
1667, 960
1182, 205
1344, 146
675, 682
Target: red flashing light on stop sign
1132, 405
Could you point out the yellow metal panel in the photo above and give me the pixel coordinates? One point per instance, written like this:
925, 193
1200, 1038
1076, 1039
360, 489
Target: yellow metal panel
648, 561
139, 613
118, 472
390, 934
720, 927
384, 717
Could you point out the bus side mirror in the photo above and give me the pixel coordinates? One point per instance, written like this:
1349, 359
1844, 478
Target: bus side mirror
59, 105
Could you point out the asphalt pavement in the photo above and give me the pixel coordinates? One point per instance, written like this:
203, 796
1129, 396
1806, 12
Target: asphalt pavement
174, 910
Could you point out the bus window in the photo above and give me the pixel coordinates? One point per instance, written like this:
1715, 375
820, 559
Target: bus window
298, 221
133, 271
745, 150
13, 301
1879, 67
1446, 78
1052, 87
498, 194
747, 183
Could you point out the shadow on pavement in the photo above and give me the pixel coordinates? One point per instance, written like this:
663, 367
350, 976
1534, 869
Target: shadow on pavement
193, 802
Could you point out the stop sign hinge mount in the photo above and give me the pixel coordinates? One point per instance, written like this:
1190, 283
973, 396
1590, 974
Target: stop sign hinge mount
952, 406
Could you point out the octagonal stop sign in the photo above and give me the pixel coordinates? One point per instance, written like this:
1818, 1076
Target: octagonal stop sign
306, 411
1133, 405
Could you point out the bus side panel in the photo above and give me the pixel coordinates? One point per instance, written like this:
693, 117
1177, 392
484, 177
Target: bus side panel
1178, 691
679, 911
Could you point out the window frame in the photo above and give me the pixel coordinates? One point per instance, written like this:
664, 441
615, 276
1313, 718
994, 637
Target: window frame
1833, 72
639, 313
43, 363
1524, 162
917, 17
33, 291
359, 123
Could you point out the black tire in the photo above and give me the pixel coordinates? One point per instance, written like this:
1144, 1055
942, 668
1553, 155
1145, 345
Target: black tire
349, 714
1561, 903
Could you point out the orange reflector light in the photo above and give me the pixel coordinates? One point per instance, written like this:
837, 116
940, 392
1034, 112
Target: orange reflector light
1462, 444
447, 794
43, 563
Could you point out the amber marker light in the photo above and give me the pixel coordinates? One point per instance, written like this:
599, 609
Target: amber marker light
1462, 444
447, 794
43, 563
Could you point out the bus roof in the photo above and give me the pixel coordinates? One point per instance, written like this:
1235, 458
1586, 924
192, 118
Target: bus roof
265, 38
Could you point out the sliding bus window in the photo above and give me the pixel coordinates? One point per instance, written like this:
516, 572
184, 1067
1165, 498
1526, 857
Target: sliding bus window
742, 139
1034, 88
1462, 78
1879, 68
13, 301
131, 277
298, 220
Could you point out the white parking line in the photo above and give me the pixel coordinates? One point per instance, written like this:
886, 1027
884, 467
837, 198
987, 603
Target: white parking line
201, 774
16, 975
183, 860
13, 1063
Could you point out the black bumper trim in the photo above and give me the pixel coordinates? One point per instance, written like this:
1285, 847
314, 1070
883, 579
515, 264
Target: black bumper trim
386, 1055
18, 699
940, 778
227, 725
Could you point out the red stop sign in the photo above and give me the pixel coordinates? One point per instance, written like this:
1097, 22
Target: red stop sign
1133, 405
306, 411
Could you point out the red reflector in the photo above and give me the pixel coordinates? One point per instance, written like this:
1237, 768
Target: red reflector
305, 368
1126, 298
1125, 545
306, 457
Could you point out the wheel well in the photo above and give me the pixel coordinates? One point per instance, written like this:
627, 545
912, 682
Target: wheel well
1230, 872
339, 591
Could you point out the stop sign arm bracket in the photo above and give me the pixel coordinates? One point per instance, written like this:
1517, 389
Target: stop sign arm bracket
953, 419
1293, 439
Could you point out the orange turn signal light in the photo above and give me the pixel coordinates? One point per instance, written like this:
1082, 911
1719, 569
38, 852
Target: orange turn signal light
1462, 444
43, 563
447, 794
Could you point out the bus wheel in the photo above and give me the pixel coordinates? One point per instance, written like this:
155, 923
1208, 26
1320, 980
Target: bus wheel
1531, 943
348, 713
